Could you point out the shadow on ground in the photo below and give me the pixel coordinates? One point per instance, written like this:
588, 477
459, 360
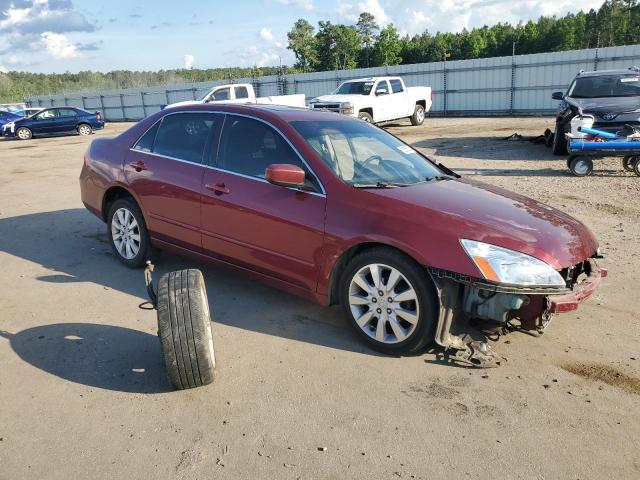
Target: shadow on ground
74, 246
487, 148
103, 356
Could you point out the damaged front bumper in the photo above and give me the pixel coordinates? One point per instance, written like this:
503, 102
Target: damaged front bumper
463, 299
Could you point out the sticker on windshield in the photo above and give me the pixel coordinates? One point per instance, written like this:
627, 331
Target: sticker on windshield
406, 149
630, 79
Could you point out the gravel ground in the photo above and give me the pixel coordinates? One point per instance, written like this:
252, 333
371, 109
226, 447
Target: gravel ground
83, 392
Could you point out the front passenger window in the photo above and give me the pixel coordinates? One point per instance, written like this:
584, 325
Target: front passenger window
249, 146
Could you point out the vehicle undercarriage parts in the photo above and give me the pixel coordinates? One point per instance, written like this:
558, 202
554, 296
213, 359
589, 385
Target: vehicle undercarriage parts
488, 305
454, 332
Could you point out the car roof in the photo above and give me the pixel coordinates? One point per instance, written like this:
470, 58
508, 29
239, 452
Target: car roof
371, 79
598, 73
266, 112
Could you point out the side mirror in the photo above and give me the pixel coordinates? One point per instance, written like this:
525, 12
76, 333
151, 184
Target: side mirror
557, 95
381, 91
285, 175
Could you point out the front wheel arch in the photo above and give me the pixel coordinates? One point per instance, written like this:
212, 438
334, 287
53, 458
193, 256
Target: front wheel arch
345, 257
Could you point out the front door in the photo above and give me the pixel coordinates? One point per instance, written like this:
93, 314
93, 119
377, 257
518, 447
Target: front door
383, 109
165, 169
248, 221
45, 121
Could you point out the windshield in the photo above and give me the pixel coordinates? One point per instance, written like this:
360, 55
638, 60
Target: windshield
606, 86
364, 155
354, 88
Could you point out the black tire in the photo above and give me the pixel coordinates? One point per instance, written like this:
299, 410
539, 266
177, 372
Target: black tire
569, 160
628, 163
581, 166
427, 300
184, 328
417, 118
636, 166
84, 129
24, 133
145, 251
559, 144
366, 116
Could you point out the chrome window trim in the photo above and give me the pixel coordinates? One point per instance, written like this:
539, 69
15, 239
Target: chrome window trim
295, 150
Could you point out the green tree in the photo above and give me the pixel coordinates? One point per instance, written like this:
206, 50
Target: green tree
386, 50
367, 28
303, 44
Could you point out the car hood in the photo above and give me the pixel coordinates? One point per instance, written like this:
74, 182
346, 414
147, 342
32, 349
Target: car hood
338, 98
445, 211
606, 104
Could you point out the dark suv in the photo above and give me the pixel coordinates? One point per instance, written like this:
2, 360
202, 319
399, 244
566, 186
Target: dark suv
612, 97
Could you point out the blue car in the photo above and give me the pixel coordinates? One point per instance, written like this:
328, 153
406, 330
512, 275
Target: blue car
54, 121
7, 117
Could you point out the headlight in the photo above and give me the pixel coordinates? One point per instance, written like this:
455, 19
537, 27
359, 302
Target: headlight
9, 125
507, 266
346, 107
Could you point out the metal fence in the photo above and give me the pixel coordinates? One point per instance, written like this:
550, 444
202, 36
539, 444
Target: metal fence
515, 85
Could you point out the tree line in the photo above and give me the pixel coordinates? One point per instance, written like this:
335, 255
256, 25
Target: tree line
337, 46
366, 44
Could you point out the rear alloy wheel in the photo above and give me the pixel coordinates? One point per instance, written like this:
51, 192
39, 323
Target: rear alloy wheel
366, 117
84, 129
389, 301
581, 166
23, 133
128, 233
628, 163
418, 116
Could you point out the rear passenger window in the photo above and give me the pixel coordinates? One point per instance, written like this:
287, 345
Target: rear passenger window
67, 112
249, 146
396, 86
241, 92
145, 144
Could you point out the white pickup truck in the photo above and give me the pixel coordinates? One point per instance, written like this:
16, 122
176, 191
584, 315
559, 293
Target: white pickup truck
244, 93
377, 99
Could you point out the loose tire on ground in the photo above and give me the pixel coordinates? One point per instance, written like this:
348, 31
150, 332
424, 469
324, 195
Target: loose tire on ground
184, 328
24, 133
559, 145
581, 166
366, 117
424, 308
418, 116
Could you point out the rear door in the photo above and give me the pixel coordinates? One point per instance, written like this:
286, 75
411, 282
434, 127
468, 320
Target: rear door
165, 169
400, 105
248, 221
67, 120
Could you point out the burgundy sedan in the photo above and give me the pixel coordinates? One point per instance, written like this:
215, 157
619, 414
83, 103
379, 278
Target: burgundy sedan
338, 211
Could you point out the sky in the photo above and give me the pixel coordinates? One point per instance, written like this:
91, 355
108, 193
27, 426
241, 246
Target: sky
66, 35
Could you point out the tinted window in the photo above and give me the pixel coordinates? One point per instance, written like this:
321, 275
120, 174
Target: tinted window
249, 146
396, 86
241, 92
67, 112
184, 136
145, 144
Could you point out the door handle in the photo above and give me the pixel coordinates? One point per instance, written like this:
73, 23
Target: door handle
218, 188
138, 166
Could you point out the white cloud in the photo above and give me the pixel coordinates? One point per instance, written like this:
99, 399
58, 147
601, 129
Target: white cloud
188, 61
58, 45
351, 12
266, 34
305, 4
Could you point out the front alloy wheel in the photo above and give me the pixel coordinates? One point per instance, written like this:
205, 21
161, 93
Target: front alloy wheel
390, 301
383, 303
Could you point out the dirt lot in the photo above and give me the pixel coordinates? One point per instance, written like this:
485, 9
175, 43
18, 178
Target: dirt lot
83, 391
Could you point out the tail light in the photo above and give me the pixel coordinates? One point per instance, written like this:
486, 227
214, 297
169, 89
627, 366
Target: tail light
98, 116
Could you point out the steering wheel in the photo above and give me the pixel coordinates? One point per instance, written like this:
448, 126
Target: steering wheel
372, 158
